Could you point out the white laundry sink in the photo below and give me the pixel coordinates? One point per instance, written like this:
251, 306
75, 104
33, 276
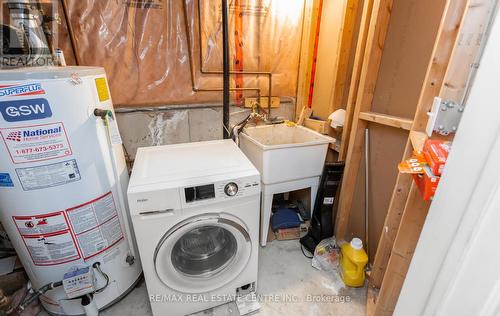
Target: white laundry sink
284, 153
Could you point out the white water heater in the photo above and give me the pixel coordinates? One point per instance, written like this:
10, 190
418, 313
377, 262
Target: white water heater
63, 179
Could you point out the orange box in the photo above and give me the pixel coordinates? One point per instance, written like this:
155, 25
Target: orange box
292, 233
436, 153
427, 183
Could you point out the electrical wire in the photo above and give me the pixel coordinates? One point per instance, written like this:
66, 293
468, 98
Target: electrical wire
97, 266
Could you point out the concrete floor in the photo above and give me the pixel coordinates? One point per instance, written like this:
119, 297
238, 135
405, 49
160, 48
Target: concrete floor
284, 272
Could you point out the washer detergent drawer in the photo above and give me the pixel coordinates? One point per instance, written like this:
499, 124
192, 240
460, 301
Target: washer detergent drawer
203, 253
154, 202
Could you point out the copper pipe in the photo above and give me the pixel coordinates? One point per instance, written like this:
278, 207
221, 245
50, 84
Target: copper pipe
217, 72
207, 72
232, 89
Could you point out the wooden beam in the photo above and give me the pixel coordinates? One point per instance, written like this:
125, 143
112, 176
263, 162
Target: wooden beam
304, 114
391, 226
356, 74
371, 300
467, 50
462, 61
385, 119
311, 8
346, 42
407, 237
418, 140
379, 24
320, 126
328, 56
410, 221
334, 146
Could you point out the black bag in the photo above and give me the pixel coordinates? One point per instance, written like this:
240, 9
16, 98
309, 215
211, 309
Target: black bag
325, 206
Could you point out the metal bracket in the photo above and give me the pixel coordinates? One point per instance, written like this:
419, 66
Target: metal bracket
444, 117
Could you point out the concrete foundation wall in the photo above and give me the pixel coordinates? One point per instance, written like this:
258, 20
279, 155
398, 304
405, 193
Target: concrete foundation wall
154, 127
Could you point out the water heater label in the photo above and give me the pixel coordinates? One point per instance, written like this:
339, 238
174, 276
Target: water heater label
25, 110
13, 90
36, 142
46, 176
96, 225
48, 238
113, 132
6, 180
102, 89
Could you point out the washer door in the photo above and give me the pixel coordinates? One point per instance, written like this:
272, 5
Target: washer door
202, 253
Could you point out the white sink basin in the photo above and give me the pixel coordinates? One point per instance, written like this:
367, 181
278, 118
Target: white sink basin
285, 153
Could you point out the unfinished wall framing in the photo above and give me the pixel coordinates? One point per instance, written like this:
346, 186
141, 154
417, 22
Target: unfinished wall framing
414, 51
341, 25
399, 45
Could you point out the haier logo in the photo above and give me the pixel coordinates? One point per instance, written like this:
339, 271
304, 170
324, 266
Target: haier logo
21, 90
25, 110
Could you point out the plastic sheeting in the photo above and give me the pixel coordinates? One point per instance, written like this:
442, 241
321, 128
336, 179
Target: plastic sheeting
143, 45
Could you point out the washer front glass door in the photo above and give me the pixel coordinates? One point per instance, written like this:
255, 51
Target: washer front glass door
203, 253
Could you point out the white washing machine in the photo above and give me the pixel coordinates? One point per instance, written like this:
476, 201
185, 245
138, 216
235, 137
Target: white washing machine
195, 212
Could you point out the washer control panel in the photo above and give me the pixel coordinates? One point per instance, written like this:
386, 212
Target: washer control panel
172, 200
219, 191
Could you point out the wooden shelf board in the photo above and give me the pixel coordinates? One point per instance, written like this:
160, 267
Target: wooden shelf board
388, 120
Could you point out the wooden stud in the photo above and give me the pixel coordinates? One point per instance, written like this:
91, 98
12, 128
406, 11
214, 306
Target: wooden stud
379, 24
320, 126
388, 120
304, 114
346, 42
356, 74
328, 57
311, 8
391, 226
418, 140
334, 146
468, 45
407, 237
371, 300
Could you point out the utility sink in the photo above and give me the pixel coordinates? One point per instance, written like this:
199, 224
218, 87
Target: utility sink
284, 153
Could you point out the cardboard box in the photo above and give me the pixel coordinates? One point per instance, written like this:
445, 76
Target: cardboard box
436, 153
292, 233
427, 183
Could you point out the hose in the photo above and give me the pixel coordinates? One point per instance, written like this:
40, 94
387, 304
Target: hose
32, 296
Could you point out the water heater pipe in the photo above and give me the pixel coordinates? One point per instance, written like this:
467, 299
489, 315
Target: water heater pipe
225, 69
122, 200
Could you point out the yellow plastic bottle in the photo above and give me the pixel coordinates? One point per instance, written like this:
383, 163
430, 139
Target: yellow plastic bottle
353, 260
